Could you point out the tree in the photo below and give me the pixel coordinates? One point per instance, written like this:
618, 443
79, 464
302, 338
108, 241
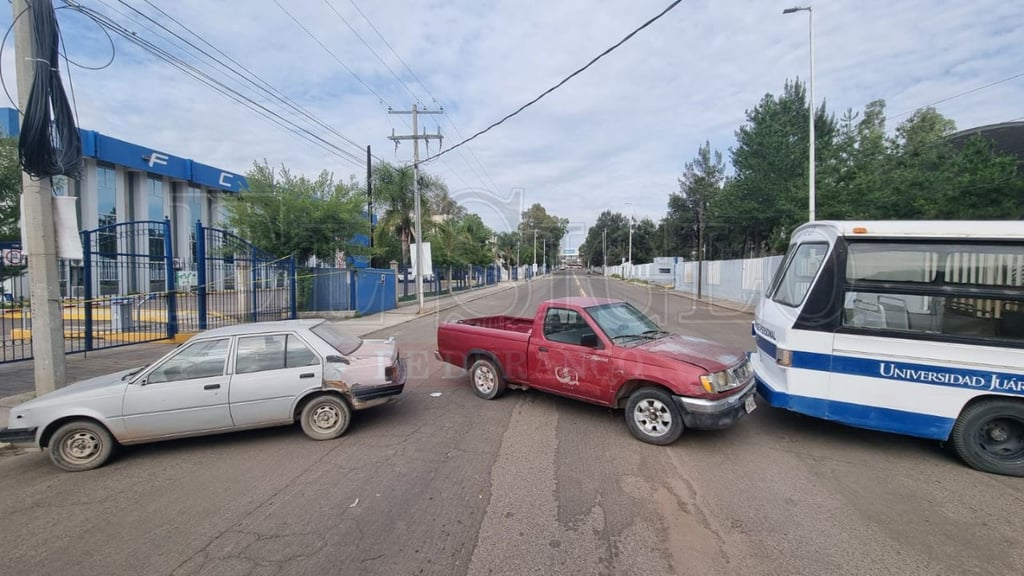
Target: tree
550, 228
393, 188
10, 189
285, 214
770, 161
699, 187
611, 230
10, 199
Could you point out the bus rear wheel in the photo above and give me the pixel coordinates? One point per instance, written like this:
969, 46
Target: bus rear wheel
989, 436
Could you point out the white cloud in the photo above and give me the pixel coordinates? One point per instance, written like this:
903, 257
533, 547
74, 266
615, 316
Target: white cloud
620, 132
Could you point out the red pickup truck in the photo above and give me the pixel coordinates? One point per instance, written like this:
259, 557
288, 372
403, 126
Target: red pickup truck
609, 353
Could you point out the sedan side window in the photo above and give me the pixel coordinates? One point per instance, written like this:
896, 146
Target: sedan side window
203, 359
272, 352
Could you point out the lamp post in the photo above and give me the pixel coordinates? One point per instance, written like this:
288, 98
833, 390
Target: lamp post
534, 269
545, 255
810, 92
604, 251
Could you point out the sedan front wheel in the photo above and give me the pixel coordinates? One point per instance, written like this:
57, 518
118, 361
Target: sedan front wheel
80, 445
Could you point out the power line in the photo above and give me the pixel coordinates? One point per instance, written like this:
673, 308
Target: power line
388, 44
372, 51
216, 85
329, 51
960, 95
560, 83
263, 85
427, 90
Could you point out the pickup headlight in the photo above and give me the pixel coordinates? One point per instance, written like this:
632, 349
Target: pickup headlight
718, 382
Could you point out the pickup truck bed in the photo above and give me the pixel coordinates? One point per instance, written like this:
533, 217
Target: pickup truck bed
511, 323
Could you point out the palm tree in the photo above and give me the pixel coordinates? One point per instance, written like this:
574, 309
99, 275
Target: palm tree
394, 189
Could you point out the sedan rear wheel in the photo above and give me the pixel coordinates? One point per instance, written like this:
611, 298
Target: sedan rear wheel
325, 417
80, 445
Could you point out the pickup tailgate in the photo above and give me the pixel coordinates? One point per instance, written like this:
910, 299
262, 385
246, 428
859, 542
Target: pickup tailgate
505, 338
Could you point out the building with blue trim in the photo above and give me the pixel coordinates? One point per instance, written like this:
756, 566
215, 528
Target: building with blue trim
124, 182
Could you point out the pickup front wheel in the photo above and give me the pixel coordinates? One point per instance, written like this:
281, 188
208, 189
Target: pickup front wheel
652, 416
486, 379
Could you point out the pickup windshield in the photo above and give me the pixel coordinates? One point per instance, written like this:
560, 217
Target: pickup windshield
623, 323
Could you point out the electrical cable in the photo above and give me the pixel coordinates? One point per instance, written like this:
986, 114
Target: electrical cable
333, 55
559, 84
220, 87
372, 51
49, 143
960, 95
422, 85
110, 39
249, 76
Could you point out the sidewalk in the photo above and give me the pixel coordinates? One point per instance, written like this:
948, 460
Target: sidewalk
17, 378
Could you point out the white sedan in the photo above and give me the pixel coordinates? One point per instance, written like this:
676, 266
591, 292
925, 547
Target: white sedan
226, 379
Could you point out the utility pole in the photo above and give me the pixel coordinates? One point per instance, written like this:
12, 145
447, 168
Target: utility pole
416, 137
39, 232
604, 251
369, 194
534, 270
545, 255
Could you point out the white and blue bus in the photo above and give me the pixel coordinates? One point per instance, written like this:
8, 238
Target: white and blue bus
914, 328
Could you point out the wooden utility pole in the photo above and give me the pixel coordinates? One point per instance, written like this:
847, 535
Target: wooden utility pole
416, 137
37, 226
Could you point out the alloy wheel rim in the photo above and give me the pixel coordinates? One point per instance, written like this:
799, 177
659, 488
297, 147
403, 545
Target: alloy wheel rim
483, 378
653, 417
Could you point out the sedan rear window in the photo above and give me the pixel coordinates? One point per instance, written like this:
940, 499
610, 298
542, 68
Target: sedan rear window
340, 341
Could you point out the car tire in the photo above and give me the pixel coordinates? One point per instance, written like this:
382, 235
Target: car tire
325, 417
486, 379
653, 417
989, 436
80, 445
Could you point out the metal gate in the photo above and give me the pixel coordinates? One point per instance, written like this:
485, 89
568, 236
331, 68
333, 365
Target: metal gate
128, 287
373, 290
237, 282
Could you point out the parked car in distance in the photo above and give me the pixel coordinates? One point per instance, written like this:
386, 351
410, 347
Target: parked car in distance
609, 353
222, 380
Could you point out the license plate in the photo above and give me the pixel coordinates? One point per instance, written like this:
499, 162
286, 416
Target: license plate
749, 404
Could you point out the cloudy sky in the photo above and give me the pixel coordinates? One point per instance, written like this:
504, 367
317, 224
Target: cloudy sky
614, 138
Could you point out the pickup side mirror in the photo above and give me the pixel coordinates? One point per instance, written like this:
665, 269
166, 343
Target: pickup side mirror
590, 341
337, 359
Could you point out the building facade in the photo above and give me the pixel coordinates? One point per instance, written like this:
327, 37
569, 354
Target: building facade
126, 182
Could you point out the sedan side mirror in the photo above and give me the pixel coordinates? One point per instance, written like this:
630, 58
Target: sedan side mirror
337, 359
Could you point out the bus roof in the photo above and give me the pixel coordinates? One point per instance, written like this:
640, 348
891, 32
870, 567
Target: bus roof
995, 229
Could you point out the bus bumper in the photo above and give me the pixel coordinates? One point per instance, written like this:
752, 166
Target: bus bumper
705, 414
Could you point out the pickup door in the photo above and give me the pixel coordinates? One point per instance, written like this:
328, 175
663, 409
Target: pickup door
569, 356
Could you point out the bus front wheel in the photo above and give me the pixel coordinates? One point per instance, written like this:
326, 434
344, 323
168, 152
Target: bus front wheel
989, 436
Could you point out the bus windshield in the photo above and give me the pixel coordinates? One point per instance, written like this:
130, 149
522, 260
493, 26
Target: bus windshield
797, 272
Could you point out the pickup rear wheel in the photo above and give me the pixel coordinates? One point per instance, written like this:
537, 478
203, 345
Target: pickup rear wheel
486, 379
653, 417
989, 436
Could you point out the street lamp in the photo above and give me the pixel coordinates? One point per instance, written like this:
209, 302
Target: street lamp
534, 270
604, 251
545, 255
810, 90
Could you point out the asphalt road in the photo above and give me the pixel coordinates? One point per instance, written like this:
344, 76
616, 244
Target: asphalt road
526, 484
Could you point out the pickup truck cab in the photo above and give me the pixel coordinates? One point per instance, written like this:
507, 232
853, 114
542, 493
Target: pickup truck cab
605, 352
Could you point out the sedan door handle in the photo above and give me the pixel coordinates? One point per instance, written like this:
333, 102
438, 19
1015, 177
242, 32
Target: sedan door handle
307, 375
211, 387
542, 349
